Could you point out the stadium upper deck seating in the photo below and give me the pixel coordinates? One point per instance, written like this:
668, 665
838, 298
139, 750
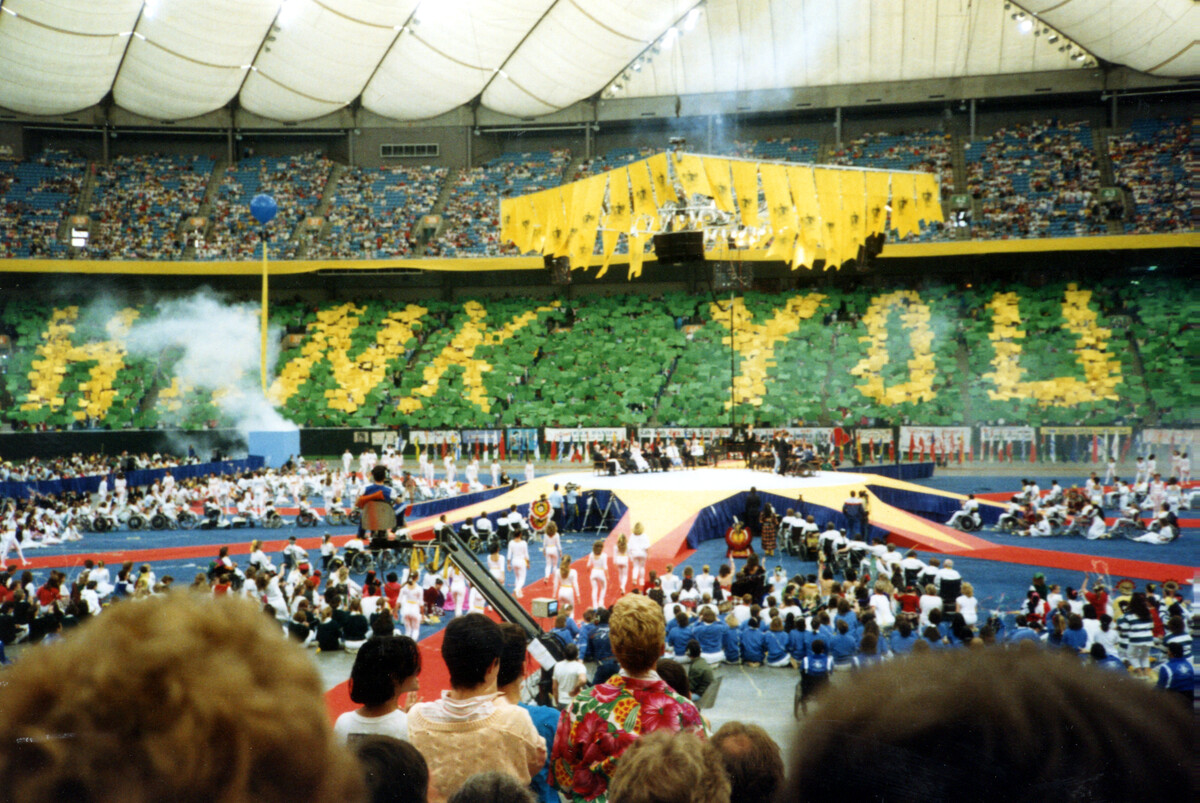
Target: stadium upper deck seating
472, 211
1036, 180
1153, 160
138, 202
296, 182
35, 197
375, 211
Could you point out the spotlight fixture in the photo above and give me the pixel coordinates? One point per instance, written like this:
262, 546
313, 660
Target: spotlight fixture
1052, 38
1025, 26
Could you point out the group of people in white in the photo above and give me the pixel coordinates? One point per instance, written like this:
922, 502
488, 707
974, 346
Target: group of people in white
1147, 510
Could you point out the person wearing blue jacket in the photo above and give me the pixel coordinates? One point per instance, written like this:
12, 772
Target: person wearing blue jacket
903, 638
777, 644
823, 630
711, 634
731, 641
599, 645
845, 613
815, 670
754, 644
798, 640
585, 633
843, 647
679, 636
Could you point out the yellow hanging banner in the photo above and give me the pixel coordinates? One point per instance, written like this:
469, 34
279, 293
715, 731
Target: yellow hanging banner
689, 169
637, 252
780, 210
557, 229
587, 209
660, 175
719, 183
619, 209
808, 213
854, 212
929, 206
878, 189
645, 210
609, 239
829, 197
745, 185
904, 207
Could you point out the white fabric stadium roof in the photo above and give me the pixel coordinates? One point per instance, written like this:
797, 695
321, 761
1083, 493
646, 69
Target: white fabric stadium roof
295, 60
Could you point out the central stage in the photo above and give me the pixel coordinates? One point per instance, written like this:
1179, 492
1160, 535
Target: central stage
712, 480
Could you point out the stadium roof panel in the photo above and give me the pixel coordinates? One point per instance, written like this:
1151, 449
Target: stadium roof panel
295, 60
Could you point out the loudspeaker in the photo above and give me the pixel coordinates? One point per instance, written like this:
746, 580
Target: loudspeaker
679, 247
560, 269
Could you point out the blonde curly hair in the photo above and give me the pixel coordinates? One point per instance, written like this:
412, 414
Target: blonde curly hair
637, 632
181, 697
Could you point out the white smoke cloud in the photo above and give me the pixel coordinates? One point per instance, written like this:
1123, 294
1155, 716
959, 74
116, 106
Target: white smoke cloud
220, 344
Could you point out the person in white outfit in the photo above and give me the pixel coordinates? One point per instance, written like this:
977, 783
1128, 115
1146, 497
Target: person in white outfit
411, 598
970, 509
598, 565
518, 559
347, 461
495, 473
530, 472
551, 548
1185, 468
496, 564
458, 590
968, 605
621, 560
451, 467
566, 583
639, 550
8, 541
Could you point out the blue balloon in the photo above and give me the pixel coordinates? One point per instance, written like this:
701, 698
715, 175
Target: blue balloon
264, 208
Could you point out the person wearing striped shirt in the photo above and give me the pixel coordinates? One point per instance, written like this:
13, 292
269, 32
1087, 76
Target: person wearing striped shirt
1137, 627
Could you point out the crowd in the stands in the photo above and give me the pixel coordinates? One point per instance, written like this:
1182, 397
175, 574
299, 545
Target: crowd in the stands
35, 196
1033, 180
472, 212
139, 201
1153, 160
376, 211
295, 182
1036, 180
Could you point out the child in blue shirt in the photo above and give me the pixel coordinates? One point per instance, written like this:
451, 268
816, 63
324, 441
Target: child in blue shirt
731, 641
815, 670
777, 644
754, 644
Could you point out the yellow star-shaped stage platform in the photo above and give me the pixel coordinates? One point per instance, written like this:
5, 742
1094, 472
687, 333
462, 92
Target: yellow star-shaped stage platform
665, 501
668, 504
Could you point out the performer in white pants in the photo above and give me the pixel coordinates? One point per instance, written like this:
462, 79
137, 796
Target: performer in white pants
458, 590
411, 598
598, 565
566, 582
518, 559
639, 550
621, 559
495, 564
8, 540
551, 548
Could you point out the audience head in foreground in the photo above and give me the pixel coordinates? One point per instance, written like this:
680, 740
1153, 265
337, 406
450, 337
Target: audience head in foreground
492, 787
992, 725
667, 767
179, 697
473, 728
752, 761
395, 771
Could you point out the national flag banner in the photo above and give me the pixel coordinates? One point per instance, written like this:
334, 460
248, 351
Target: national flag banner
553, 450
936, 440
1008, 452
1033, 451
858, 445
912, 442
1095, 448
891, 452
